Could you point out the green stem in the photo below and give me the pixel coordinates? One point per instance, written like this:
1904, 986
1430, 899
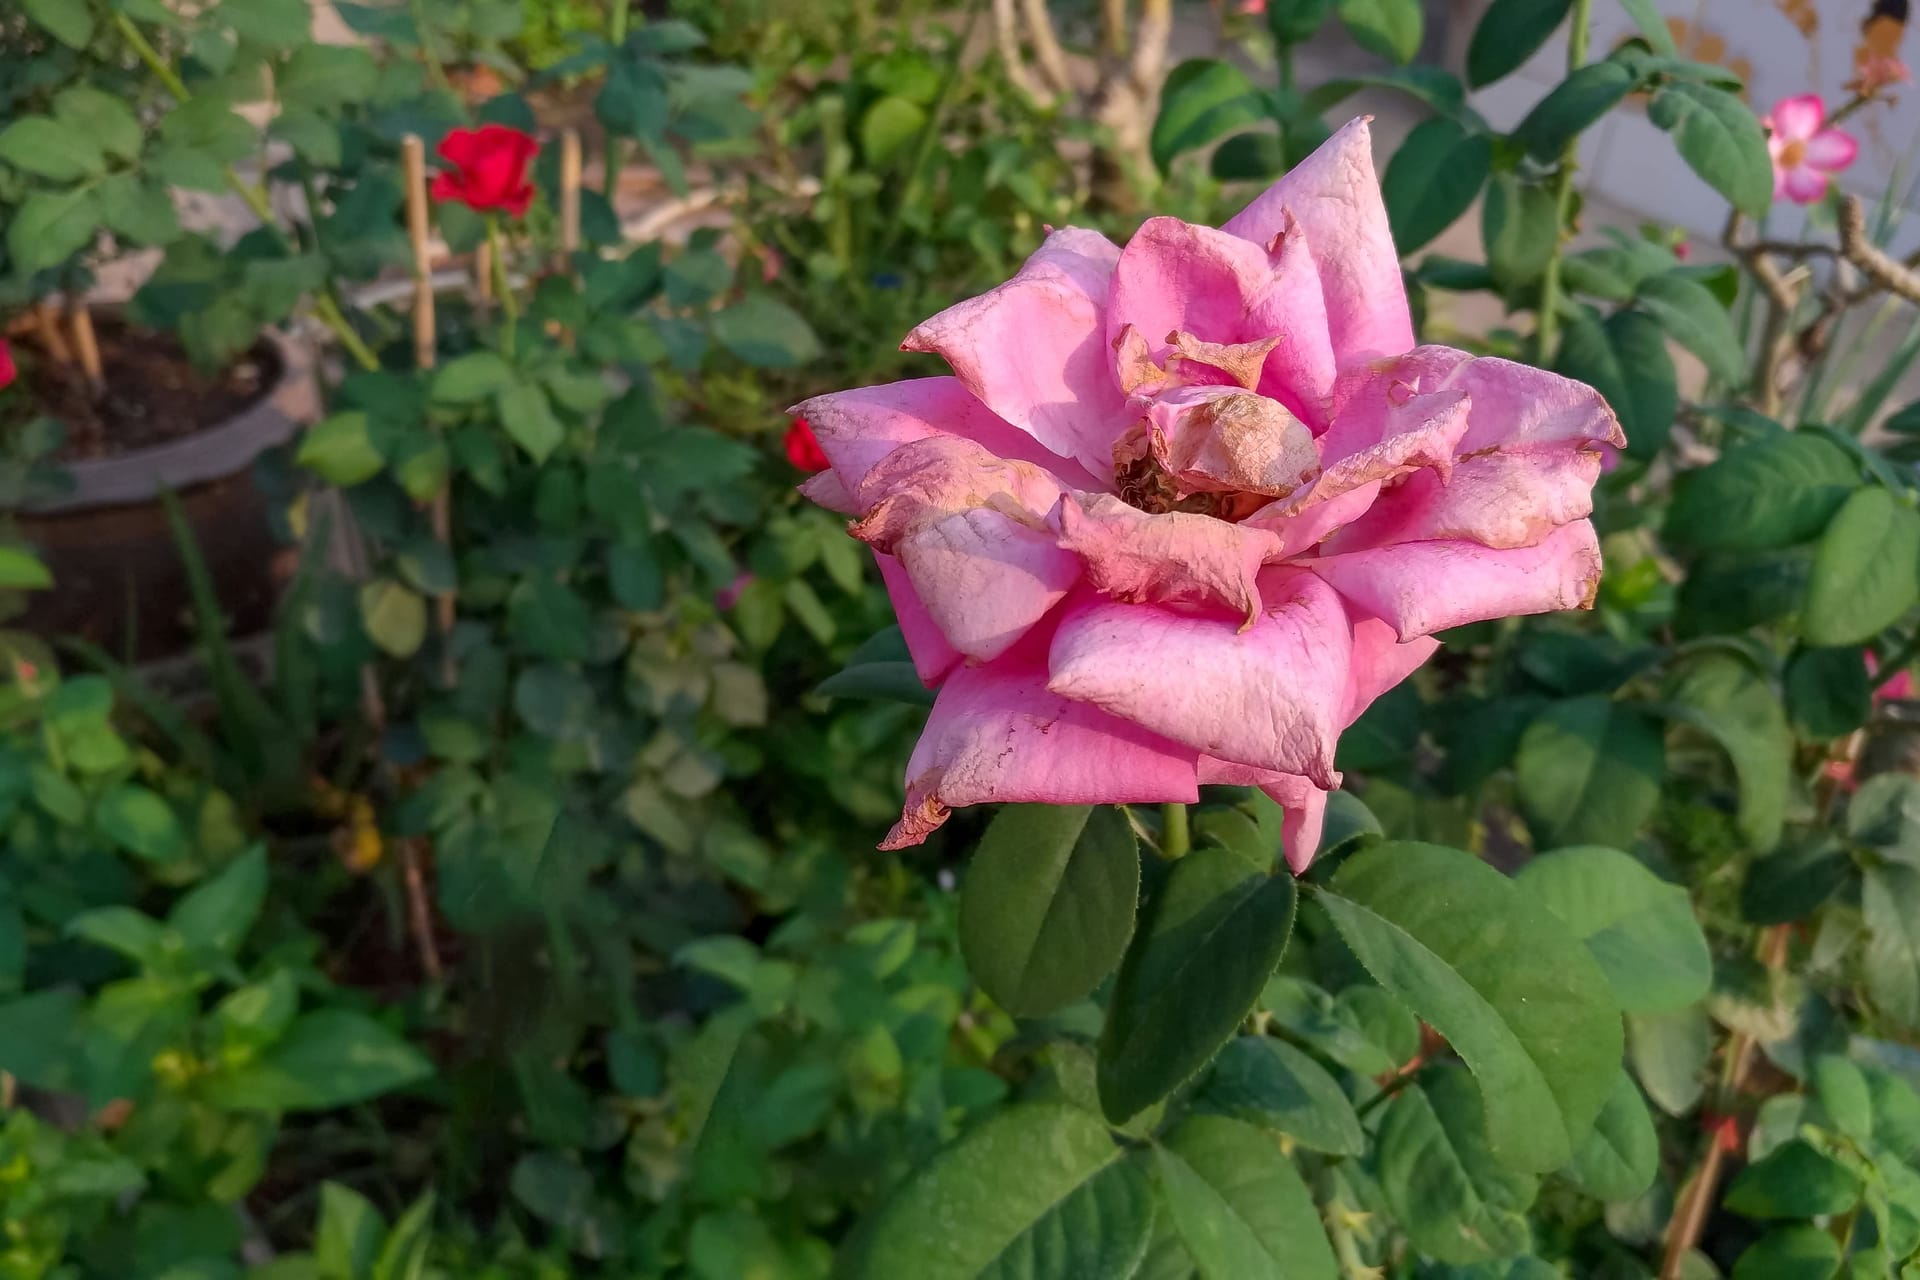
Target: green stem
1546, 327
616, 145
436, 70
1176, 835
503, 286
930, 132
1286, 68
254, 194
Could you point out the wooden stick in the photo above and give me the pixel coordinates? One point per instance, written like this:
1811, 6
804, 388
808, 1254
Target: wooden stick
413, 152
88, 346
569, 196
46, 316
419, 915
413, 155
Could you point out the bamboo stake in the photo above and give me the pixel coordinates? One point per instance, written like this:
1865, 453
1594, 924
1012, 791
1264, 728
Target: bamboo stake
414, 155
569, 196
46, 316
88, 346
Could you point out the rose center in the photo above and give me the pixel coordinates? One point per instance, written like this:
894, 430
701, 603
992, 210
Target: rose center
1793, 154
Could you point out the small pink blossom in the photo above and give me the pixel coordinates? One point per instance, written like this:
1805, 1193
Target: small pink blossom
1897, 688
1187, 507
729, 595
1804, 153
1875, 73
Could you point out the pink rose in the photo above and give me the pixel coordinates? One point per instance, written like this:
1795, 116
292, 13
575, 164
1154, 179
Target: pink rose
1189, 506
1803, 152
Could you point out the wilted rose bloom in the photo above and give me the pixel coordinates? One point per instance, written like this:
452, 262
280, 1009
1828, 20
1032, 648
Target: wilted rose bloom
489, 169
1804, 153
803, 451
1186, 508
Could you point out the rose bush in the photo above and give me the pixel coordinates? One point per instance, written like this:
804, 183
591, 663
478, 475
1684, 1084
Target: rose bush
1186, 508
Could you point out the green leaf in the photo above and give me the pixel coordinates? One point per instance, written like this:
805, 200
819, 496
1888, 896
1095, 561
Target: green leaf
1828, 692
105, 120
1390, 28
888, 126
1588, 771
1432, 179
766, 333
1048, 904
1669, 1053
1723, 697
140, 822
138, 211
1520, 226
327, 1059
1696, 320
1525, 1005
21, 570
138, 937
1295, 21
1762, 494
528, 417
68, 22
1586, 94
1790, 883
325, 77
1720, 139
1890, 902
471, 378
251, 1017
348, 1236
1269, 1083
1794, 1180
394, 616
1621, 1157
1207, 943
1885, 814
1640, 928
51, 149
963, 1215
1249, 157
1844, 1104
341, 450
1508, 33
1203, 98
220, 911
1456, 1201
1651, 24
1241, 1208
1866, 570
51, 226
1625, 359
1798, 1251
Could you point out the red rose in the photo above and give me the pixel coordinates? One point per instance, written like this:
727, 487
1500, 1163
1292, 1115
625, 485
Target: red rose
803, 451
489, 169
8, 370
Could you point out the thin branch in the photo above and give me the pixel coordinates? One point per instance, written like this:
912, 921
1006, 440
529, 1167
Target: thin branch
1150, 37
1046, 45
1892, 275
1006, 38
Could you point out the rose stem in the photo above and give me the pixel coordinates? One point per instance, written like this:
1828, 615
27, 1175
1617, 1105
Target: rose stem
1547, 323
1175, 835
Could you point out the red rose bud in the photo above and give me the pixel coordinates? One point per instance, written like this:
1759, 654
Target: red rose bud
803, 451
8, 370
489, 169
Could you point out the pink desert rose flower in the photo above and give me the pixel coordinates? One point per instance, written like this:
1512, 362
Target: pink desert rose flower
1804, 154
1186, 507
